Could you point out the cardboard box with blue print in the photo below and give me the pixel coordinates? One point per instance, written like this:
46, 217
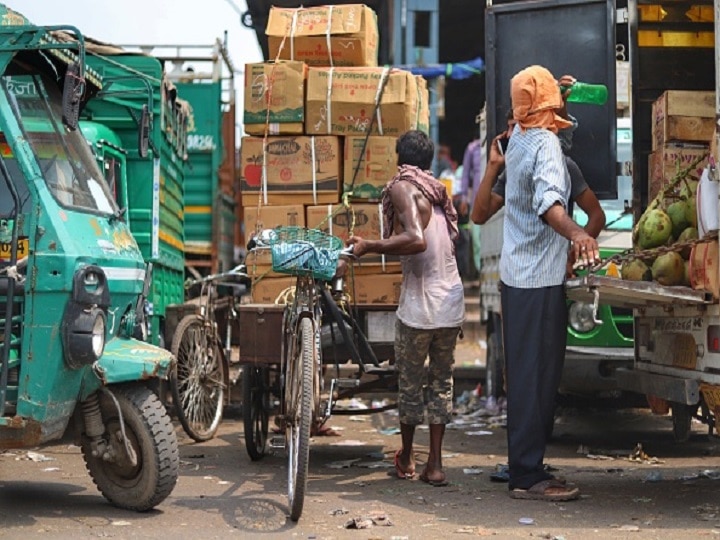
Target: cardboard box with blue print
279, 86
375, 162
346, 33
297, 169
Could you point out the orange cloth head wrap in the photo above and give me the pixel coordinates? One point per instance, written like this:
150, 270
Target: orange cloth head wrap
535, 97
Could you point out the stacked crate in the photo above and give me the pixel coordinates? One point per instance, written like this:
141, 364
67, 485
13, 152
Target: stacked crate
683, 123
307, 116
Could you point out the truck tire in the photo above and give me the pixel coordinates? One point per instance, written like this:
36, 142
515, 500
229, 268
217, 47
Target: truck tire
152, 437
682, 416
495, 364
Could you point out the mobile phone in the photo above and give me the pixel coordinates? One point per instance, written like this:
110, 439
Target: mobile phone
502, 145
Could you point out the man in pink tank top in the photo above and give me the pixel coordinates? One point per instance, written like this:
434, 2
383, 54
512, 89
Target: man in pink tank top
420, 226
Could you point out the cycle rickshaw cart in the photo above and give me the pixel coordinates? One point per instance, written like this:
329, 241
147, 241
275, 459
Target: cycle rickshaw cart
319, 329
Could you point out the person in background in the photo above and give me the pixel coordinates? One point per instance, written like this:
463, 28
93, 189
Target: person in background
449, 175
473, 171
532, 273
420, 225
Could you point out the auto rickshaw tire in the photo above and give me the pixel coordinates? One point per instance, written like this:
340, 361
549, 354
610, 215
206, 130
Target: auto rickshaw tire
204, 433
682, 416
256, 405
150, 432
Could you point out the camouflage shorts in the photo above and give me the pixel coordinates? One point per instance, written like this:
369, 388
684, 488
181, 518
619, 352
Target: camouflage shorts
419, 387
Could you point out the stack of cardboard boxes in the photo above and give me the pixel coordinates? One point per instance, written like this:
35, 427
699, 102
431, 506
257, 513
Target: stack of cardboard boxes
683, 123
316, 103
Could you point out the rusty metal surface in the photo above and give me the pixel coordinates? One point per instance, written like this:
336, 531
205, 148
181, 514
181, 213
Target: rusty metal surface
633, 294
20, 433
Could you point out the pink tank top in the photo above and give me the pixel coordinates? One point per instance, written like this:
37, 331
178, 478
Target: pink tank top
432, 294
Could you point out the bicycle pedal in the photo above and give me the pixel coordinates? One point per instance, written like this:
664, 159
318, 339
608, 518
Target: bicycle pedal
346, 383
278, 441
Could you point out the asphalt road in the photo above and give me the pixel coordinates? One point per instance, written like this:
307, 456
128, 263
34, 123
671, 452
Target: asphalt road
222, 494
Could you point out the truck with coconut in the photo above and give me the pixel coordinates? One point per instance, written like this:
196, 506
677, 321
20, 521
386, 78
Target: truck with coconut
669, 278
598, 342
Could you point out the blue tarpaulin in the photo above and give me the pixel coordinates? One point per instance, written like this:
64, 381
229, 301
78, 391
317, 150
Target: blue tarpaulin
452, 70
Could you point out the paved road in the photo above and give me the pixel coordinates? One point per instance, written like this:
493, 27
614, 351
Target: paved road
222, 494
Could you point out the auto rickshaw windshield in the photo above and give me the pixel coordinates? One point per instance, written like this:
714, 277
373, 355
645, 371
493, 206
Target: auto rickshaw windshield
65, 159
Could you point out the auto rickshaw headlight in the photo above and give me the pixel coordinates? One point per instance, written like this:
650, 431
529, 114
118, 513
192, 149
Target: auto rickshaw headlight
581, 318
84, 323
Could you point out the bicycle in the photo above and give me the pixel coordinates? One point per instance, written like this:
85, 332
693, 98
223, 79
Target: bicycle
201, 378
311, 256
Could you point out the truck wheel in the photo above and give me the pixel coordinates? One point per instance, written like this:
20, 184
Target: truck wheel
151, 435
682, 416
494, 365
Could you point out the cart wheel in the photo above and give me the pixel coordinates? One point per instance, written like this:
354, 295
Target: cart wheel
682, 416
299, 411
198, 386
494, 374
256, 404
150, 433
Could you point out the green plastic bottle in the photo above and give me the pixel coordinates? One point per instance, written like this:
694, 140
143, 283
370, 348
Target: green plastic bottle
591, 94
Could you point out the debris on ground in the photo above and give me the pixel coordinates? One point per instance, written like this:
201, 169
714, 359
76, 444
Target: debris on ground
706, 512
639, 456
344, 464
365, 522
526, 521
338, 512
654, 476
389, 431
35, 457
472, 470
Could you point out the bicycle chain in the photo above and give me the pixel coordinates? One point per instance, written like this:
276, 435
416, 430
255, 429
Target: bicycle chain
646, 254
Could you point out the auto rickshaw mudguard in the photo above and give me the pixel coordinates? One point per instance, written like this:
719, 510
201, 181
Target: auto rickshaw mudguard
128, 360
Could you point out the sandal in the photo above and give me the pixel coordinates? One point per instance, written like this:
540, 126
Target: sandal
433, 483
399, 472
547, 490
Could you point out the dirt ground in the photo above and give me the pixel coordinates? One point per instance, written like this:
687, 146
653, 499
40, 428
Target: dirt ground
222, 494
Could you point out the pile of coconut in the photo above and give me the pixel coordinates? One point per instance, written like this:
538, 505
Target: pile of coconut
670, 220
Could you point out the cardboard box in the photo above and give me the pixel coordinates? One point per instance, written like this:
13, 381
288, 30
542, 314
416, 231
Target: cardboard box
664, 164
349, 108
267, 290
423, 119
378, 164
282, 85
259, 262
363, 268
335, 220
376, 288
299, 170
684, 116
704, 272
350, 30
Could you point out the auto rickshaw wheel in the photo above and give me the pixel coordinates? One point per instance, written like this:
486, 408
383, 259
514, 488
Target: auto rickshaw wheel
198, 385
150, 433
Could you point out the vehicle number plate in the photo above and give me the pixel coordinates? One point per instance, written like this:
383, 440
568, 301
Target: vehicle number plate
22, 250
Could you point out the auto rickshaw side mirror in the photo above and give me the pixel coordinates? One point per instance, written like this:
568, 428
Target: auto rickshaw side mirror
73, 90
144, 132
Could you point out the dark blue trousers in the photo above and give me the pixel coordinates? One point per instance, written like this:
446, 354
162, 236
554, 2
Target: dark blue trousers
534, 335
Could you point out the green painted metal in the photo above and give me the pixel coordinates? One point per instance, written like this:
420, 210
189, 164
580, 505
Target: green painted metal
66, 229
153, 189
205, 152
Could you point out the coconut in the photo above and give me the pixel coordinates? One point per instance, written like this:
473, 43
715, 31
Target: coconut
691, 233
677, 212
636, 270
691, 211
686, 275
655, 228
669, 269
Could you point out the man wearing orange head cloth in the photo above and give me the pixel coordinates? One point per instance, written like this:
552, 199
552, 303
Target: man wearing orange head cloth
532, 271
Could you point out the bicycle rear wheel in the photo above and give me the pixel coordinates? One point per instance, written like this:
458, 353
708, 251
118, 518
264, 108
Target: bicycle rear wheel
300, 410
198, 386
256, 404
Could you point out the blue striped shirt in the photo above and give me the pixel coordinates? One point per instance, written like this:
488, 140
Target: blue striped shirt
533, 254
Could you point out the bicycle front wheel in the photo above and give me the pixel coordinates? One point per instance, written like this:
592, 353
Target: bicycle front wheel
300, 384
198, 386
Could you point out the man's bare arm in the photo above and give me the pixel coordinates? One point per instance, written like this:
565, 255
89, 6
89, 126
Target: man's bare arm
588, 202
486, 202
584, 247
409, 239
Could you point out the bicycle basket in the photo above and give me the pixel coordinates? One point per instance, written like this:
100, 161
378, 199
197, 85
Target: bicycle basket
300, 251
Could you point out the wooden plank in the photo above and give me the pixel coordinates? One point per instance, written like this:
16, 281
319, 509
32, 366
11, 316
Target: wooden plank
689, 103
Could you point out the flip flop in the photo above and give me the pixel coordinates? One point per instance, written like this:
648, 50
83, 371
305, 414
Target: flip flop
433, 483
539, 492
402, 475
